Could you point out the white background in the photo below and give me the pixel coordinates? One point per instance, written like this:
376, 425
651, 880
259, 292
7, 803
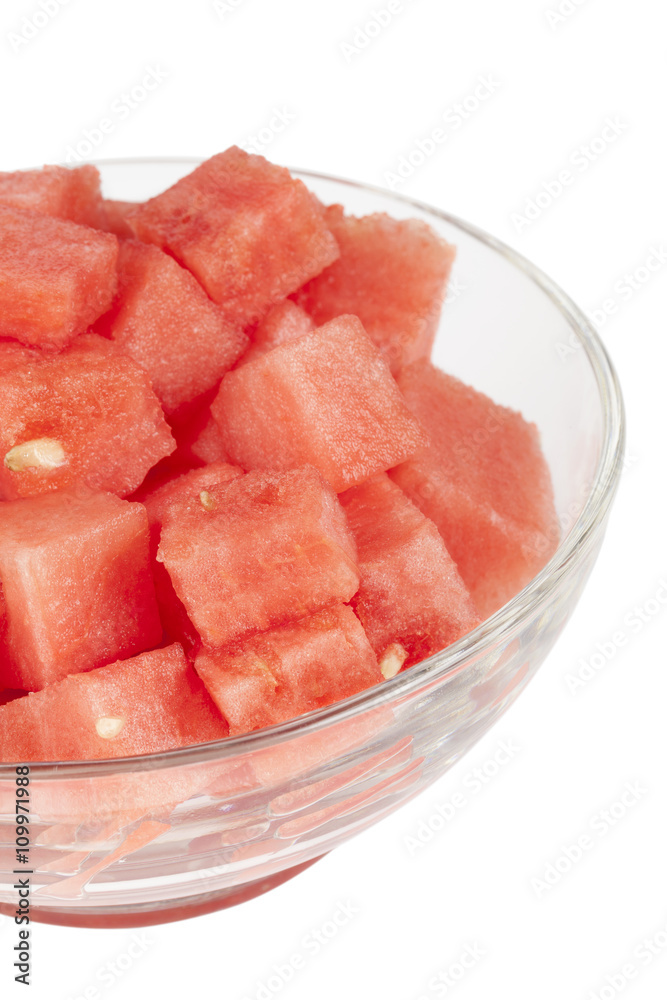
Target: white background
355, 112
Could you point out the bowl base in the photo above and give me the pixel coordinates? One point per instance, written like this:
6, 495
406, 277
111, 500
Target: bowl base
147, 914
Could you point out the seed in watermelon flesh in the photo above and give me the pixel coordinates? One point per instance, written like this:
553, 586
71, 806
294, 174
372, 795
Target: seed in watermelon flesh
283, 322
392, 274
165, 321
76, 585
56, 277
66, 193
280, 674
146, 704
86, 416
411, 600
115, 217
159, 502
484, 482
275, 547
249, 232
327, 399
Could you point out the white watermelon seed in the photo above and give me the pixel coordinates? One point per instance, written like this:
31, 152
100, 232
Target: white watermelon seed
392, 660
41, 453
108, 728
206, 500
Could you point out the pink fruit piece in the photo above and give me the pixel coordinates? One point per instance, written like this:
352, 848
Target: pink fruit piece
327, 399
165, 321
146, 704
86, 416
248, 231
56, 277
172, 495
411, 600
66, 193
76, 590
296, 668
115, 217
484, 482
283, 322
258, 551
392, 274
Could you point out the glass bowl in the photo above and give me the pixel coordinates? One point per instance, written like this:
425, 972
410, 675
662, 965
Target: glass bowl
162, 837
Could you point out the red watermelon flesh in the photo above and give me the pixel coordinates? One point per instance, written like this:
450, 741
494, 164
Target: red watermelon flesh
280, 674
87, 416
484, 482
258, 551
327, 399
56, 277
115, 217
146, 704
283, 322
165, 321
392, 274
76, 585
158, 503
248, 231
65, 193
411, 600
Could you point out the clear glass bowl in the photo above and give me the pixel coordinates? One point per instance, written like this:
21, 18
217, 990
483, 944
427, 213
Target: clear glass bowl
161, 837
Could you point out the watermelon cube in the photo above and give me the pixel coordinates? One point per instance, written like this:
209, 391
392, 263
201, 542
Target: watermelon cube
248, 231
65, 193
283, 322
146, 704
327, 399
115, 217
77, 591
392, 274
277, 675
411, 600
165, 321
258, 551
56, 277
87, 415
189, 487
484, 482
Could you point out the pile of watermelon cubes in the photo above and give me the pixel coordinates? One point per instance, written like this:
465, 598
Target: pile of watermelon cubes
233, 487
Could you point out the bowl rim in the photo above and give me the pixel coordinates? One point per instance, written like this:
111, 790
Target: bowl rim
499, 626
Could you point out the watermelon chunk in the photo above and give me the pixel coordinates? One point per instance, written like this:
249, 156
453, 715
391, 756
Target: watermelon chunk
115, 217
283, 322
392, 274
280, 674
249, 232
327, 399
146, 704
88, 415
166, 322
56, 277
411, 600
66, 193
171, 495
484, 482
76, 586
258, 551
